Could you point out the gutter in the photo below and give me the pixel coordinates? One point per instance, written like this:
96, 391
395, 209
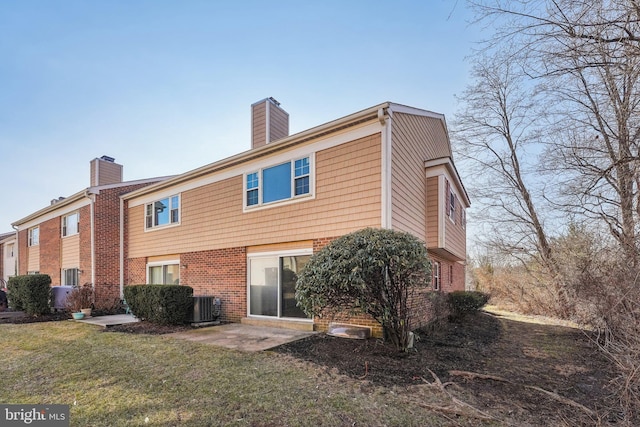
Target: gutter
281, 144
121, 248
384, 116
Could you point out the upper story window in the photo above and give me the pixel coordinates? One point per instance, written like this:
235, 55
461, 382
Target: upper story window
70, 224
10, 250
277, 183
162, 212
450, 201
34, 236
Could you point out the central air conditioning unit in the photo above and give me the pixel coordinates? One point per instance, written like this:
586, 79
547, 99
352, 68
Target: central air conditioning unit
59, 297
206, 311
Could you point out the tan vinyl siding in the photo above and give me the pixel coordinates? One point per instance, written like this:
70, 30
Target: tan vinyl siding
433, 208
110, 173
415, 139
347, 198
71, 252
33, 261
278, 123
259, 124
455, 236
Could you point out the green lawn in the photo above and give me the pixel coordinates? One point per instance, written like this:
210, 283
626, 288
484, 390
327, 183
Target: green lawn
115, 379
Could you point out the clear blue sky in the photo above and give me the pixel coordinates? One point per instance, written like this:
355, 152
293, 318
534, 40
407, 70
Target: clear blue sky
166, 86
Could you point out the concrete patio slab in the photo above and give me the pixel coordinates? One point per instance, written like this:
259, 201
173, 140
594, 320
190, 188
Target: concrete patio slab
111, 320
242, 337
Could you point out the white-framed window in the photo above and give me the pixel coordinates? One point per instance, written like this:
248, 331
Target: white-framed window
10, 250
281, 182
34, 236
162, 212
450, 202
70, 276
436, 275
164, 273
272, 281
70, 224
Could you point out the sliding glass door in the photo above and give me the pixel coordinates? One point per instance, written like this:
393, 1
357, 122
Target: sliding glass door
272, 285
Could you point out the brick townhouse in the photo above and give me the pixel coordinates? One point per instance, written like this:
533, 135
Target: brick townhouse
77, 239
242, 227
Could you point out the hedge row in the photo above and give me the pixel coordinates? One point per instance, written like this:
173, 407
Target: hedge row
462, 303
161, 304
30, 293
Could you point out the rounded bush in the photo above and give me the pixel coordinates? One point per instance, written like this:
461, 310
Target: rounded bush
373, 271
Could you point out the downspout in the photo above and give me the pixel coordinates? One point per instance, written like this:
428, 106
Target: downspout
121, 248
91, 198
384, 116
16, 267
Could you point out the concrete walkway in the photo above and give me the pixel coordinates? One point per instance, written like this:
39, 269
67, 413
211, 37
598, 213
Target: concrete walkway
111, 320
242, 337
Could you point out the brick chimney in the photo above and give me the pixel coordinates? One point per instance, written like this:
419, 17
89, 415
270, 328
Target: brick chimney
269, 122
105, 171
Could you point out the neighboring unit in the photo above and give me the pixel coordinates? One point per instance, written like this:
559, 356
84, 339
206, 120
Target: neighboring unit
76, 240
8, 265
242, 228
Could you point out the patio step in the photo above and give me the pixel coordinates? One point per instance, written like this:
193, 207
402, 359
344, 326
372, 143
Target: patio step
278, 323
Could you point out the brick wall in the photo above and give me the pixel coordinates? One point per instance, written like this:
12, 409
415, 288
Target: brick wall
107, 243
449, 283
221, 273
50, 249
136, 269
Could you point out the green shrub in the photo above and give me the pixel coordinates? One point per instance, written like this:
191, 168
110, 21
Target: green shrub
161, 304
30, 293
462, 303
373, 271
14, 286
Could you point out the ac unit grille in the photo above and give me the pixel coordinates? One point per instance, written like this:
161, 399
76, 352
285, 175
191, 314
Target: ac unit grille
205, 309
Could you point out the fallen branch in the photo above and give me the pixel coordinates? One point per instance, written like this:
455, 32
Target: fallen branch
366, 370
555, 396
442, 387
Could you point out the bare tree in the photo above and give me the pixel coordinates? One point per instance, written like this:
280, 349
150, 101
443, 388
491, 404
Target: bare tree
586, 55
497, 132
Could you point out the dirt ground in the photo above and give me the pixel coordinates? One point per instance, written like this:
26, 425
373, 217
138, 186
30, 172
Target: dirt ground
529, 374
512, 372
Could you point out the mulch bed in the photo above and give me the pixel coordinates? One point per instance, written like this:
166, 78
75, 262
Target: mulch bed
503, 366
17, 317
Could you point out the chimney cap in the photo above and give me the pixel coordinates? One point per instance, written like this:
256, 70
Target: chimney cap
107, 159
